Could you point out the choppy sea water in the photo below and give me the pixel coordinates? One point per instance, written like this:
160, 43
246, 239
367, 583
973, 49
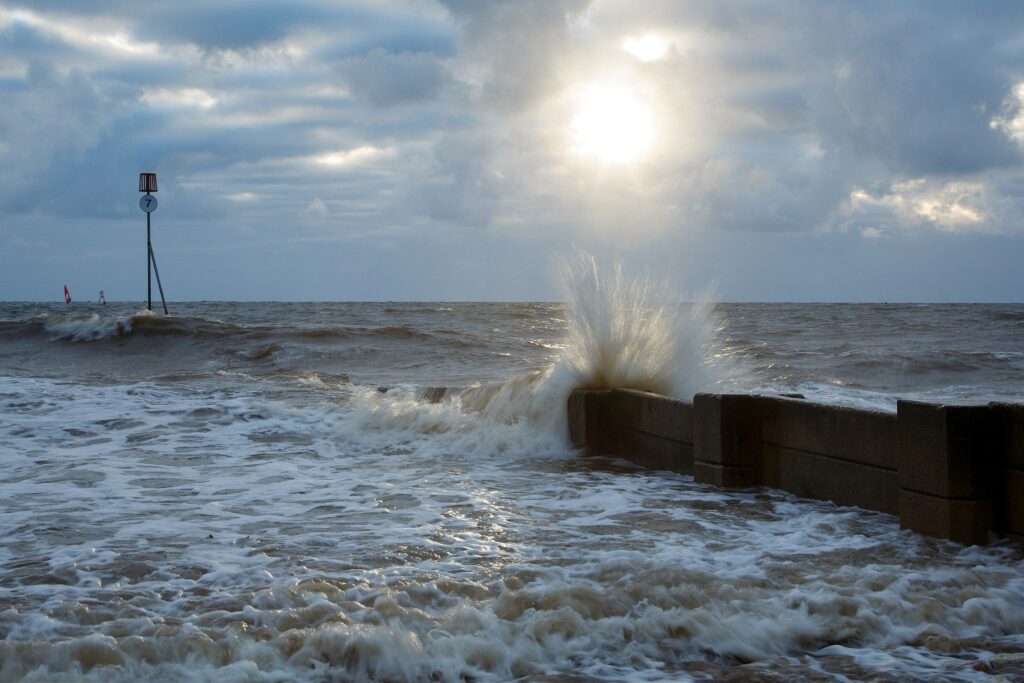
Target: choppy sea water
268, 492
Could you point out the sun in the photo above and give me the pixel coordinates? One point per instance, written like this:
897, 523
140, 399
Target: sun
613, 124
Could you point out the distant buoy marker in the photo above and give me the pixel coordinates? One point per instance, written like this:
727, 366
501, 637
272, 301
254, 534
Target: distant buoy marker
148, 203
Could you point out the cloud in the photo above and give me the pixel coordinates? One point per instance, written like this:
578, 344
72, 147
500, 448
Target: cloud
823, 120
53, 119
951, 206
510, 49
460, 183
1010, 121
179, 97
315, 209
350, 157
384, 79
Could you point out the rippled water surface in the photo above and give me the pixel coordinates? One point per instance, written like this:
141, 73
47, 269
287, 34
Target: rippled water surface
265, 492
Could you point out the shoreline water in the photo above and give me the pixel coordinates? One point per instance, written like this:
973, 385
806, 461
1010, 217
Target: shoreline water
226, 495
863, 355
946, 471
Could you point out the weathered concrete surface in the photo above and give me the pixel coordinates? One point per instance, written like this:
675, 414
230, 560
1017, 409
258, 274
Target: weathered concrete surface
1009, 486
947, 451
1011, 418
964, 521
834, 453
651, 430
726, 440
1009, 512
949, 471
813, 475
589, 420
861, 436
665, 417
948, 457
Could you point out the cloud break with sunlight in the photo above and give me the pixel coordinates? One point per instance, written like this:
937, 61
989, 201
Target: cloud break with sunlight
612, 124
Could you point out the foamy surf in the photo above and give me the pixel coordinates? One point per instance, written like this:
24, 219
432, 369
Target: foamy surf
385, 493
92, 327
371, 536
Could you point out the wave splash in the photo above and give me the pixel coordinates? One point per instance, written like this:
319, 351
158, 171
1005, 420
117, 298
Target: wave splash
93, 327
632, 333
622, 332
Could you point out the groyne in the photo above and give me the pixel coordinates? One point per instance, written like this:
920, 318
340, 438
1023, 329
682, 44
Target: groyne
948, 471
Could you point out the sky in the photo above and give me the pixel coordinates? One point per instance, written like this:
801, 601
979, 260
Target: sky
459, 150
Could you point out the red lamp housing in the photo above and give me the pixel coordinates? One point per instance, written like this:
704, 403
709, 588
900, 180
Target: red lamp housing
147, 182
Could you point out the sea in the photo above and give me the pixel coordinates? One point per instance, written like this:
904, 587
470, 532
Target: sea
328, 492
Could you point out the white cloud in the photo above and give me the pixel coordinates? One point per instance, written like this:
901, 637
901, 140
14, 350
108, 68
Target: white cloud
955, 206
647, 48
351, 157
93, 37
1011, 120
315, 209
179, 97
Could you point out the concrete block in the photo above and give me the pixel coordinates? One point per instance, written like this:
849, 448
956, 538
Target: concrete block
723, 475
593, 423
1009, 504
726, 430
655, 414
844, 482
863, 436
1011, 418
947, 450
771, 464
577, 411
963, 521
656, 453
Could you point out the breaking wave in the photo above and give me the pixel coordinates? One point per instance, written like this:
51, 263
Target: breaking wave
622, 332
96, 327
380, 537
632, 332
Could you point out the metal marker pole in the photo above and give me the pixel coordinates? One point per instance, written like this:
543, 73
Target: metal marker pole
152, 257
149, 276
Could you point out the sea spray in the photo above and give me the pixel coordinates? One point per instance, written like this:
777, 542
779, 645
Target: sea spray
622, 332
632, 332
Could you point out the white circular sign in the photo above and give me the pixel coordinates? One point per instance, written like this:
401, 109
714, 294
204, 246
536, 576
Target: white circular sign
147, 203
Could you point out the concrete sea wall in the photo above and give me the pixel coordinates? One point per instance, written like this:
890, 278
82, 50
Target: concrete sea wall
948, 471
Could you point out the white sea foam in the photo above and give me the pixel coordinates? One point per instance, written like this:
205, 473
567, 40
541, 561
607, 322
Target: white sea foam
92, 327
265, 527
356, 535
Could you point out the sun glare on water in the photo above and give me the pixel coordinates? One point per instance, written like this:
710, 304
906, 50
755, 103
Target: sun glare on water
612, 124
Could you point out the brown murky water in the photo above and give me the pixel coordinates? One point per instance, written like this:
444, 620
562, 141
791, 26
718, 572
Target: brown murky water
202, 501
